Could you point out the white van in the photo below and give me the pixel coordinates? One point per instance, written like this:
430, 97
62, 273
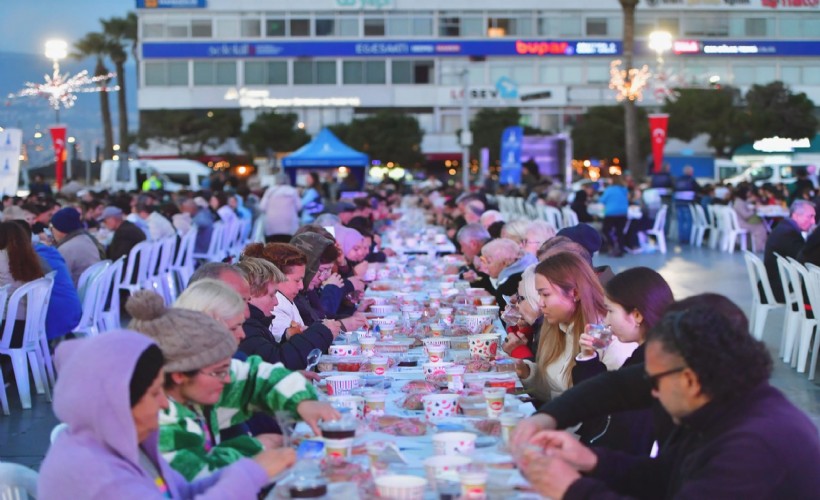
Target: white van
175, 174
785, 173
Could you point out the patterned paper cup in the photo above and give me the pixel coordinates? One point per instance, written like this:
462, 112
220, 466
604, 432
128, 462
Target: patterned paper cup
374, 402
344, 350
476, 322
438, 406
453, 443
368, 344
434, 370
483, 346
401, 487
341, 385
383, 309
355, 403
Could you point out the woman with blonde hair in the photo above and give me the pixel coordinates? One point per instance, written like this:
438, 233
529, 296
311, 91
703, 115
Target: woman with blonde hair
264, 279
515, 230
217, 300
571, 297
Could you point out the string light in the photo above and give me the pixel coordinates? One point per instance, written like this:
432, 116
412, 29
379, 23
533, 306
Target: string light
61, 89
629, 86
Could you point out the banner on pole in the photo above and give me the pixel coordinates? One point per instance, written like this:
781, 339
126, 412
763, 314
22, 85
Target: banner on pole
58, 134
511, 141
657, 128
11, 140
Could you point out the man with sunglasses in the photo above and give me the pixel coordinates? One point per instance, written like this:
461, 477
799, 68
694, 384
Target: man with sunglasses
737, 436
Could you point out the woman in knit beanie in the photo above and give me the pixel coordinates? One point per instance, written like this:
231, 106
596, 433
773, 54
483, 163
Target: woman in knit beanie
209, 391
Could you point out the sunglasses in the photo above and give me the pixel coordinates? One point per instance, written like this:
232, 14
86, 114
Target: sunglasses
654, 380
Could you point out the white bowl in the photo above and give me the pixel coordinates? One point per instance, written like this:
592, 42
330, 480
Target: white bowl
401, 487
382, 310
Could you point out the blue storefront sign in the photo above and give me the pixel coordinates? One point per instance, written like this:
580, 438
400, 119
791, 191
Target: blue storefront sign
385, 48
511, 141
445, 48
171, 4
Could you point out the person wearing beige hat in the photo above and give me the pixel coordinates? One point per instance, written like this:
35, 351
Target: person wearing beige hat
209, 391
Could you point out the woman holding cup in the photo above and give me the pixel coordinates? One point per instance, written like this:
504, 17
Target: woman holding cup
570, 297
636, 299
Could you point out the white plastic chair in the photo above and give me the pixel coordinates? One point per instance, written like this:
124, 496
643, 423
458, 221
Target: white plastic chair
699, 225
658, 229
107, 314
760, 310
87, 327
814, 298
17, 482
159, 270
183, 266
570, 217
258, 232
93, 271
714, 225
793, 294
215, 252
37, 295
136, 268
734, 232
552, 215
57, 430
809, 326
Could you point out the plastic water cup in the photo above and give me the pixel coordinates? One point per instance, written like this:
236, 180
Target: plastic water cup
495, 401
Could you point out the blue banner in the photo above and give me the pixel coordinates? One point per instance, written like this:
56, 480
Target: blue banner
383, 48
171, 4
511, 141
455, 48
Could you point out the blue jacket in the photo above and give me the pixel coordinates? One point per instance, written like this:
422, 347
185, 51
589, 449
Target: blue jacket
64, 309
615, 200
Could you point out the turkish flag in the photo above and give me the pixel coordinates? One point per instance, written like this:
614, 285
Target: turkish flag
657, 128
58, 134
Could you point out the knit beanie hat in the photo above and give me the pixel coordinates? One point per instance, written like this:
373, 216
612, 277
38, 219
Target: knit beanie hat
313, 245
585, 235
66, 220
148, 366
189, 340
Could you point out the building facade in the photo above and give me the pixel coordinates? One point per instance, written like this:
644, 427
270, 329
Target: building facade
332, 60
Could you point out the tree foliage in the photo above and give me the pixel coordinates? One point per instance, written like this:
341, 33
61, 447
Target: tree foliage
118, 31
386, 136
96, 45
189, 130
711, 111
488, 125
273, 131
600, 133
774, 110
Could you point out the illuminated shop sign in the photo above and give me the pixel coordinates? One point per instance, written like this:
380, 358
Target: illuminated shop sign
248, 98
171, 4
388, 48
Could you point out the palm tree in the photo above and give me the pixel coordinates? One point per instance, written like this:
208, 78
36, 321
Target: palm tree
96, 45
634, 161
117, 30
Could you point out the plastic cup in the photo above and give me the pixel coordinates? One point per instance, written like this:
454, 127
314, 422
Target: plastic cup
487, 300
436, 353
401, 487
453, 443
508, 422
443, 467
473, 484
378, 365
338, 448
355, 403
438, 406
455, 377
368, 344
374, 403
495, 401
601, 335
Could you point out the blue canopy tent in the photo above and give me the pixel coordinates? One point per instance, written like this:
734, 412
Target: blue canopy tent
326, 151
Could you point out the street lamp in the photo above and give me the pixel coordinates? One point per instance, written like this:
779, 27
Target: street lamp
660, 42
466, 138
56, 50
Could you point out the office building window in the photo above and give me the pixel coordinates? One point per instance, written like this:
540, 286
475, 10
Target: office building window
550, 24
413, 72
670, 25
410, 25
811, 75
266, 73
251, 28
756, 26
163, 74
451, 24
325, 27
275, 27
201, 28
300, 27
598, 72
714, 25
314, 72
177, 30
374, 26
348, 26
153, 30
363, 72
509, 26
520, 73
570, 73
214, 73
227, 28
597, 26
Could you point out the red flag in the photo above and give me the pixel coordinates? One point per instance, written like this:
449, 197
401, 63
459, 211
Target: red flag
58, 133
657, 129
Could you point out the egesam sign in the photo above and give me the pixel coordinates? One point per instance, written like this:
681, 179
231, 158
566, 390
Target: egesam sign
171, 4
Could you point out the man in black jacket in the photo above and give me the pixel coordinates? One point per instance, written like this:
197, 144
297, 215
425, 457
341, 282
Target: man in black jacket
126, 235
471, 238
786, 239
738, 437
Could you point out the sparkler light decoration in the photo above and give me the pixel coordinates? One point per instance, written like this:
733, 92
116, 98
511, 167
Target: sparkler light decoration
61, 89
629, 86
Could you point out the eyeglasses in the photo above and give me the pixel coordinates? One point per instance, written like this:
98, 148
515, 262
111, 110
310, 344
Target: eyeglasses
218, 374
654, 380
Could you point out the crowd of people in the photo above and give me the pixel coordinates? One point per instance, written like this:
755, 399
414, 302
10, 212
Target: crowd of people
184, 402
